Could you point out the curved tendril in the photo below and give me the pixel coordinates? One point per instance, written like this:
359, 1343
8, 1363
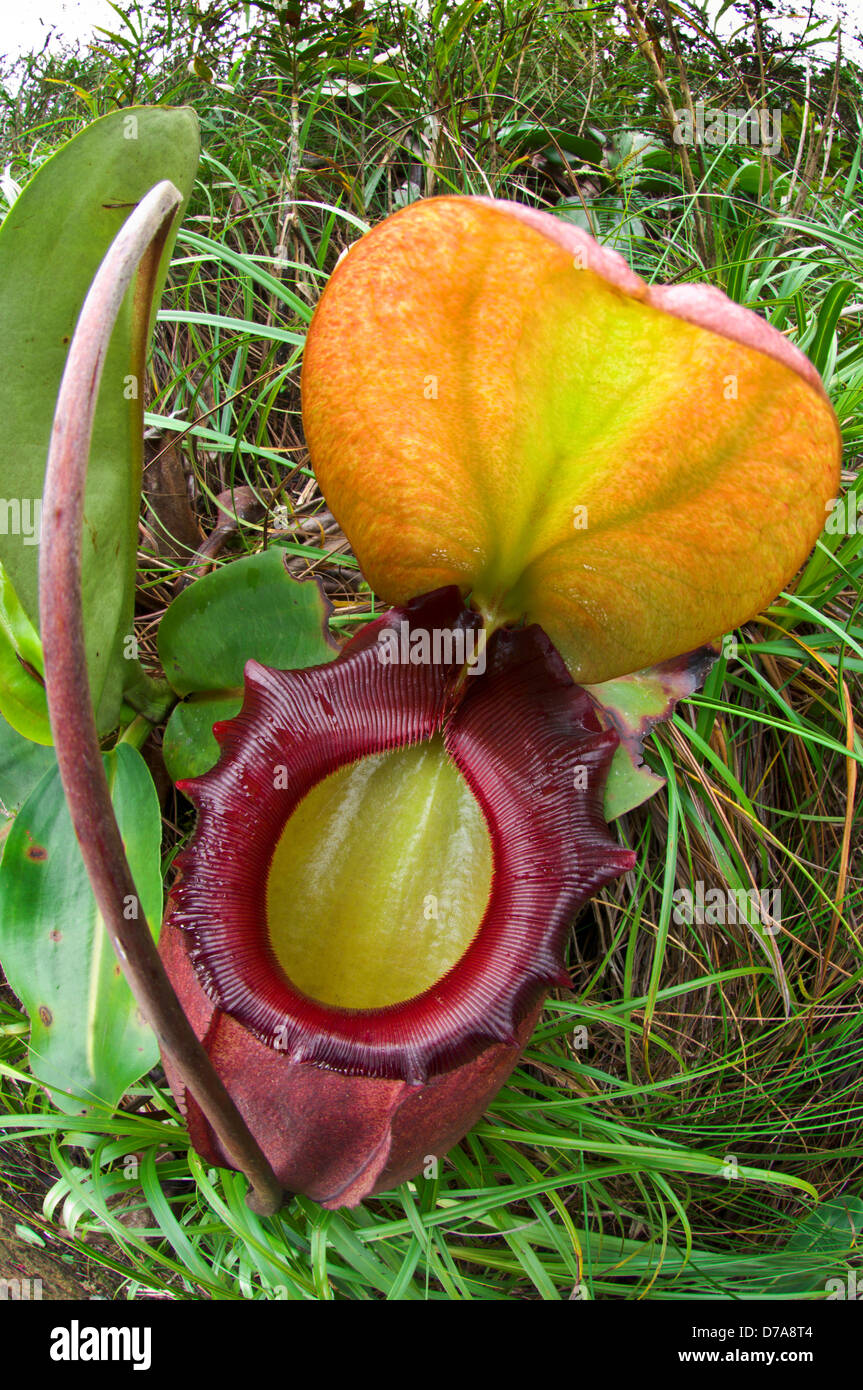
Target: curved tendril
138, 244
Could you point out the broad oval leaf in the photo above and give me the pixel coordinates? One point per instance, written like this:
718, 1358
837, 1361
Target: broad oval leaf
87, 1036
251, 608
493, 400
51, 244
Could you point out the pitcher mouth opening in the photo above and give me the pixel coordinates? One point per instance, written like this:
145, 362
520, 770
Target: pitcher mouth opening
521, 846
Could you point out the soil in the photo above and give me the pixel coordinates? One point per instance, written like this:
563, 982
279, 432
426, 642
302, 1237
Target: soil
30, 1271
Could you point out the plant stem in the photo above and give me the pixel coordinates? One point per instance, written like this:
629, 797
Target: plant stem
139, 243
137, 732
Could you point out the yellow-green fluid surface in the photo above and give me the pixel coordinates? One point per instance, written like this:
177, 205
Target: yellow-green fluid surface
380, 879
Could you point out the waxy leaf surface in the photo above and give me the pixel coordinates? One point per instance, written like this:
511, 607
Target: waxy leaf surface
251, 608
87, 1036
51, 244
492, 400
22, 764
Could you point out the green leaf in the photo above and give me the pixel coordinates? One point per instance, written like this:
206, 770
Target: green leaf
630, 782
822, 349
833, 1227
532, 135
251, 608
51, 244
633, 705
22, 764
189, 746
146, 694
830, 1237
22, 687
87, 1036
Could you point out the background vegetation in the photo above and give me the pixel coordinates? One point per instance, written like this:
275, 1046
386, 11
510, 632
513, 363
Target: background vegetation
688, 1123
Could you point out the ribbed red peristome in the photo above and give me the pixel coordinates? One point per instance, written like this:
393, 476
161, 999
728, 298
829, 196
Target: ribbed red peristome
530, 747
